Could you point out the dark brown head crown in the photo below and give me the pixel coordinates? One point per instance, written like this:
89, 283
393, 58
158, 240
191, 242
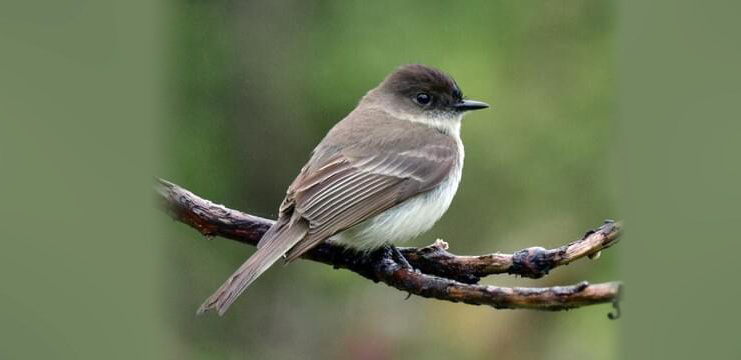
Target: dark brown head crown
418, 82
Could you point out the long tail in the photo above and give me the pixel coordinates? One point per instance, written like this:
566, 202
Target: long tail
281, 237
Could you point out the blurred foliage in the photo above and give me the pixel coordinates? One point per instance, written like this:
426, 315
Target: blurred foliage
256, 84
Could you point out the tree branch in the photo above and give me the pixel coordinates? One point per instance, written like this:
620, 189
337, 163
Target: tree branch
438, 273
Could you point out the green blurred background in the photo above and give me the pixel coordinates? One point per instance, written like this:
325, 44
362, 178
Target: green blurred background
256, 84
627, 110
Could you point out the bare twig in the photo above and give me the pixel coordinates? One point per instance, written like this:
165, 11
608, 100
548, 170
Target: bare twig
439, 274
534, 262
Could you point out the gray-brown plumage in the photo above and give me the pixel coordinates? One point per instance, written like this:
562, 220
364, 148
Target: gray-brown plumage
359, 181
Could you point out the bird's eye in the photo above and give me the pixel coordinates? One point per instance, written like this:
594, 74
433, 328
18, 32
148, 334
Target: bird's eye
423, 98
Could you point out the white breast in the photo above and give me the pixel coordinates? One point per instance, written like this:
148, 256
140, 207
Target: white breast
406, 220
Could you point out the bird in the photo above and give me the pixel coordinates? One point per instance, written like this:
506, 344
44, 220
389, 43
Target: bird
382, 175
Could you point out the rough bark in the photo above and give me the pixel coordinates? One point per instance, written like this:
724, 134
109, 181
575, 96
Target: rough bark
436, 272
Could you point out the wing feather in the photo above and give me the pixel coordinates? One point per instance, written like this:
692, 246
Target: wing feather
354, 187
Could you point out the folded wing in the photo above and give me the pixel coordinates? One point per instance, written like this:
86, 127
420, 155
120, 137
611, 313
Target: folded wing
354, 186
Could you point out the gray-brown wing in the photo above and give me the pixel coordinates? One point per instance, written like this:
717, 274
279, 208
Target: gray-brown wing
351, 188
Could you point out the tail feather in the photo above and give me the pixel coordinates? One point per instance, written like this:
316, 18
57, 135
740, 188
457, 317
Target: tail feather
277, 241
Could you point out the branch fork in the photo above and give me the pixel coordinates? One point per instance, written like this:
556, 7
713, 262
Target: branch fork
435, 272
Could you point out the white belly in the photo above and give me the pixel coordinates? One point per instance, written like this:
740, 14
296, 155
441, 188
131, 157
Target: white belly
406, 220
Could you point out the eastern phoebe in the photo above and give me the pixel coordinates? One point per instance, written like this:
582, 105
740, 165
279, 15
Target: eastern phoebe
384, 174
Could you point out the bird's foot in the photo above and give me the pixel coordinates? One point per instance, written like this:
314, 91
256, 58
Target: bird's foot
398, 257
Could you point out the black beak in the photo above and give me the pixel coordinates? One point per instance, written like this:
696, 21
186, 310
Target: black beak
467, 105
